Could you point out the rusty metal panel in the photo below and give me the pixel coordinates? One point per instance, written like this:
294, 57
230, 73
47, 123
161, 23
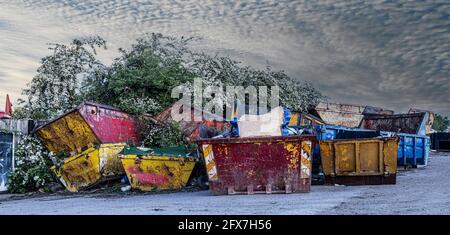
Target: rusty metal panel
109, 124
69, 133
258, 164
440, 141
157, 171
359, 161
88, 125
191, 129
405, 123
6, 158
92, 166
413, 150
300, 119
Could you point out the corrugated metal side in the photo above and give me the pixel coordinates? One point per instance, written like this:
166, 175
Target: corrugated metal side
23, 126
258, 164
110, 125
403, 123
413, 150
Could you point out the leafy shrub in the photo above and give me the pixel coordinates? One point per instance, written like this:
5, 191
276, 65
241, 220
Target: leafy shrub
160, 134
32, 167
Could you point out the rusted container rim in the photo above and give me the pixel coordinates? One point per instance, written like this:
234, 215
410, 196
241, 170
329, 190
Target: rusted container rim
54, 120
394, 116
361, 139
401, 134
76, 109
158, 157
271, 139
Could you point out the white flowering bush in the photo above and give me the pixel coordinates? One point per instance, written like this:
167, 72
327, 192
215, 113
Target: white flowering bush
138, 105
32, 167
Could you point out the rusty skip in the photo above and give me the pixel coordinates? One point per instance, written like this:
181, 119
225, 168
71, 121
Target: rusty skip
157, 169
258, 164
92, 166
360, 161
88, 125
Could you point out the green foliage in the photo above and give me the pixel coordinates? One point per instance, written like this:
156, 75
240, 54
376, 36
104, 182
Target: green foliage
155, 64
140, 82
294, 94
161, 134
144, 74
20, 113
141, 78
32, 167
441, 123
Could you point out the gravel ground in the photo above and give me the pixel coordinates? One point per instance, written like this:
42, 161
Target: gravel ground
418, 191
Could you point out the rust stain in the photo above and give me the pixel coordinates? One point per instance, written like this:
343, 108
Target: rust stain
90, 167
148, 173
86, 126
360, 158
259, 164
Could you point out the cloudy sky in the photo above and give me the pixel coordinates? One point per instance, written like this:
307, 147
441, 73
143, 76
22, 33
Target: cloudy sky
376, 52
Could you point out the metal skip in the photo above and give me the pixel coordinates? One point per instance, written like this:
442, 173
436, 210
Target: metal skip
157, 169
86, 126
252, 165
93, 134
360, 161
91, 167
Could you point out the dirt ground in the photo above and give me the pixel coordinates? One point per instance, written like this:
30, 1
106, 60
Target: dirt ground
418, 191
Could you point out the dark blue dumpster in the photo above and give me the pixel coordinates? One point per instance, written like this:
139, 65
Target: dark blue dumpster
440, 141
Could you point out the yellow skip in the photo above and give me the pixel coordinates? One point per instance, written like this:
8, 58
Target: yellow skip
153, 171
90, 167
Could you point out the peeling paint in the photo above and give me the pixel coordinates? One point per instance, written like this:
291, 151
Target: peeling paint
90, 167
362, 158
148, 173
259, 164
86, 126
